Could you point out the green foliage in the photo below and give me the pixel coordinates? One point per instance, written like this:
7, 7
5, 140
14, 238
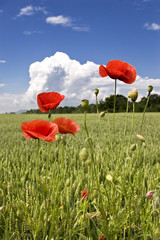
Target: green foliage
36, 178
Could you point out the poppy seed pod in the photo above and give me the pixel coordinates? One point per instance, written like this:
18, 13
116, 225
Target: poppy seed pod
102, 114
85, 104
83, 154
96, 91
133, 94
150, 88
141, 138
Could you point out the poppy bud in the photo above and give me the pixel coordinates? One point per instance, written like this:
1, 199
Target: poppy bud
144, 144
133, 94
85, 104
141, 138
133, 147
149, 194
150, 88
96, 91
102, 114
58, 138
129, 94
83, 154
109, 178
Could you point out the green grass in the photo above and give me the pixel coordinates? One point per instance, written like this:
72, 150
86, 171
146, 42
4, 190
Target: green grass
36, 178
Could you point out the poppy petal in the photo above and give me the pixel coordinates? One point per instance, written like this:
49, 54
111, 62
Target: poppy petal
66, 125
103, 71
49, 100
117, 69
39, 129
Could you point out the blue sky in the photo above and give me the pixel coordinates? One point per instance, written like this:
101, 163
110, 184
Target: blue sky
40, 39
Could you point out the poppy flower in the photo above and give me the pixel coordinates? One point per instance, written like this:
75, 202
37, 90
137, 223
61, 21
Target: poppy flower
84, 195
49, 100
39, 129
66, 125
117, 69
101, 237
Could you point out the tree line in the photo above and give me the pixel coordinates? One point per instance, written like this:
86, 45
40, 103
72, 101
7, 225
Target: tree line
107, 105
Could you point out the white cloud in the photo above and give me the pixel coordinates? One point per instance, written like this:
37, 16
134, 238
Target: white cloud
55, 20
76, 81
66, 22
2, 85
153, 26
2, 61
30, 10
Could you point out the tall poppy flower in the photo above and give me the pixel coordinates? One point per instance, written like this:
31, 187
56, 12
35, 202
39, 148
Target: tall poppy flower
117, 69
66, 125
49, 100
39, 129
84, 195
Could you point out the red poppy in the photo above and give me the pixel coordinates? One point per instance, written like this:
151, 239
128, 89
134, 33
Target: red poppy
39, 129
84, 195
49, 100
101, 237
117, 69
66, 125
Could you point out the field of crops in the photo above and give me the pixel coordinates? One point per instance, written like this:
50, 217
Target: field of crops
41, 183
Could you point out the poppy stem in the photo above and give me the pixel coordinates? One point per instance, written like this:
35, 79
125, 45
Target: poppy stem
132, 123
88, 137
114, 109
144, 111
97, 104
49, 115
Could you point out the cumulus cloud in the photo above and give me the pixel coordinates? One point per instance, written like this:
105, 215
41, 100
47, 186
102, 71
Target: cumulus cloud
153, 26
2, 85
69, 77
30, 10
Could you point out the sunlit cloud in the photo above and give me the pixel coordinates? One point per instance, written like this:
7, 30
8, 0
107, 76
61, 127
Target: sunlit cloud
2, 61
55, 20
2, 85
30, 10
153, 26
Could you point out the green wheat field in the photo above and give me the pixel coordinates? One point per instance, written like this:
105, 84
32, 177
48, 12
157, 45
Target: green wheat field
41, 183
